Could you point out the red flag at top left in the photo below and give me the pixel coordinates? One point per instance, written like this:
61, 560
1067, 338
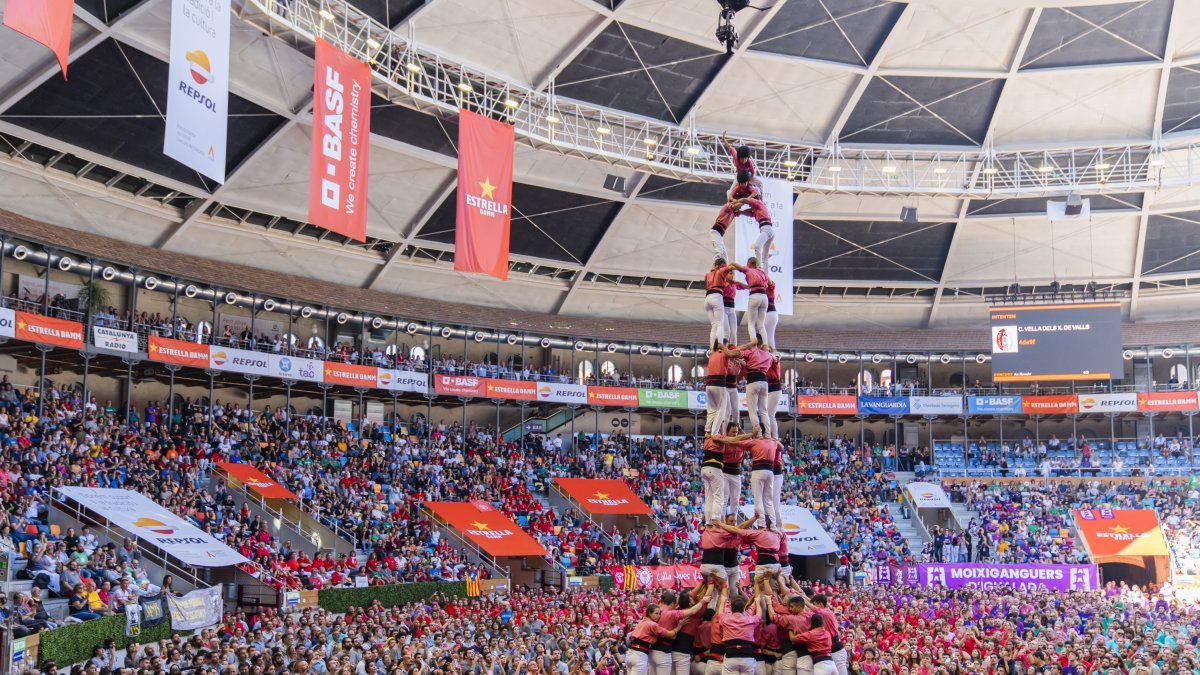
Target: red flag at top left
341, 137
47, 21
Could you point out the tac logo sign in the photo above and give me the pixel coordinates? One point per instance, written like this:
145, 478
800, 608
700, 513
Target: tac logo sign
1004, 340
155, 526
199, 66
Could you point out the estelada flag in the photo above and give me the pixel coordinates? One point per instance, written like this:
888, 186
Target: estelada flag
47, 21
603, 495
1110, 532
473, 585
485, 165
44, 329
341, 137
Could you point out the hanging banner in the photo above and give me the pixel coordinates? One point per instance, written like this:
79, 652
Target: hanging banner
351, 375
883, 405
554, 392
458, 385
1166, 401
935, 405
778, 197
198, 609
403, 380
341, 137
994, 405
512, 390
115, 340
485, 164
613, 396
133, 620
1120, 532
494, 532
198, 86
296, 368
1021, 577
43, 329
601, 496
697, 400
1105, 403
153, 610
826, 405
149, 522
259, 482
45, 21
662, 398
8, 322
240, 361
1049, 405
179, 352
806, 536
927, 496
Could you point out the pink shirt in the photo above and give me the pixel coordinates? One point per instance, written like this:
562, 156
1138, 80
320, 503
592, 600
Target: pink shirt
716, 538
756, 279
739, 626
648, 631
669, 618
765, 541
758, 360
763, 450
718, 364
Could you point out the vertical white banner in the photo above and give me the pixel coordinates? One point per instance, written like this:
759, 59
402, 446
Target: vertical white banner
777, 195
198, 86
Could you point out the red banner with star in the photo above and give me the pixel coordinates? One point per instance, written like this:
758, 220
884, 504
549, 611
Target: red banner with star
603, 496
493, 531
485, 165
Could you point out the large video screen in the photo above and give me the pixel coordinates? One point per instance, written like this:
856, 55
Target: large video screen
1056, 342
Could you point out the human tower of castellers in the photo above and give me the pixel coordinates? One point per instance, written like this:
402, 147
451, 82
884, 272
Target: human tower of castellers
775, 628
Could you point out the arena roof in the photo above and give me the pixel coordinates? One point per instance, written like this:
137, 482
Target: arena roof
1101, 92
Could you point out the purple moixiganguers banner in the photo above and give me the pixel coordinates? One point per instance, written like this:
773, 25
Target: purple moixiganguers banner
1023, 577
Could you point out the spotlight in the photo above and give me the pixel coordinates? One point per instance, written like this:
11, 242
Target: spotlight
191, 291
552, 118
908, 214
479, 336
21, 252
326, 14
306, 312
1074, 205
412, 329
269, 305
465, 86
231, 298
511, 103
545, 343
373, 43
65, 264
1014, 290
890, 168
107, 274
150, 283
603, 131
413, 67
512, 339
342, 318
377, 323
1055, 287
940, 170
1090, 289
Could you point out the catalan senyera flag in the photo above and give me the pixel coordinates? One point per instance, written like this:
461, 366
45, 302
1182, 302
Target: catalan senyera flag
473, 585
630, 577
46, 21
485, 165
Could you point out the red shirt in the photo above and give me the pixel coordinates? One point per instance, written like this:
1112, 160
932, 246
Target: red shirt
715, 279
740, 165
739, 626
648, 631
757, 279
758, 360
718, 364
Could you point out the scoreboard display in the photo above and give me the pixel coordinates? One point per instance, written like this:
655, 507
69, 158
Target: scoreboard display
1056, 342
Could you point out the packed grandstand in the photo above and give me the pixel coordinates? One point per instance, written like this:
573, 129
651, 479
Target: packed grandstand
602, 375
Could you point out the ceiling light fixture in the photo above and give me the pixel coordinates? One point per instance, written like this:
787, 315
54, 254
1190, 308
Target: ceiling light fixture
603, 131
991, 170
326, 14
650, 140
940, 170
413, 67
649, 155
1158, 161
372, 43
693, 150
1102, 166
789, 163
834, 169
888, 169
511, 103
1045, 168
552, 118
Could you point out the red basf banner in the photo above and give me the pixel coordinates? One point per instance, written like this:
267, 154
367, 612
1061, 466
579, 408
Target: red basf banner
485, 164
337, 185
47, 21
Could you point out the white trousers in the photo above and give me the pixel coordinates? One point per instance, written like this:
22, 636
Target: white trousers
662, 662
713, 480
715, 412
804, 665
733, 407
772, 321
764, 668
756, 405
713, 668
762, 486
825, 668
637, 663
733, 492
714, 307
756, 316
772, 408
681, 663
841, 660
786, 665
777, 500
739, 666
718, 245
762, 246
731, 325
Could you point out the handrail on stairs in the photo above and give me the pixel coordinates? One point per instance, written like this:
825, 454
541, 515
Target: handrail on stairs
314, 536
